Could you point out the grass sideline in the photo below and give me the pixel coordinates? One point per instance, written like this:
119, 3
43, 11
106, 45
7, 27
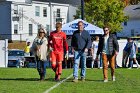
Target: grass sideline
25, 80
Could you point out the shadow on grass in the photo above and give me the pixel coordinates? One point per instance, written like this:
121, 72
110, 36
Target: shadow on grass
86, 80
30, 79
53, 80
94, 80
46, 79
21, 79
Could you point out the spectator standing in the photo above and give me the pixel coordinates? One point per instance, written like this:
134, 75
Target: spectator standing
40, 50
132, 53
94, 49
27, 49
80, 43
126, 53
57, 43
108, 46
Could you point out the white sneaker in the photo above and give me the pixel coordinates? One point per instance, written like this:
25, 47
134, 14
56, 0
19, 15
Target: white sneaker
129, 68
113, 78
105, 80
101, 67
138, 67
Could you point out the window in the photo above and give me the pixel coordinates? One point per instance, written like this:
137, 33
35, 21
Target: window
44, 11
132, 32
28, 1
37, 11
30, 29
58, 12
59, 20
125, 23
15, 18
16, 29
15, 53
15, 9
47, 28
38, 27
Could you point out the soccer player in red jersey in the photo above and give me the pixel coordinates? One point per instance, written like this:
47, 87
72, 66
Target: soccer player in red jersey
57, 43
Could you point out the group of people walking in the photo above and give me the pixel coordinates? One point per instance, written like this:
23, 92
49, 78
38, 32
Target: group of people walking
129, 54
107, 47
50, 49
55, 48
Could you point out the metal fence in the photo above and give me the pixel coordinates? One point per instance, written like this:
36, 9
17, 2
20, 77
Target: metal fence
18, 37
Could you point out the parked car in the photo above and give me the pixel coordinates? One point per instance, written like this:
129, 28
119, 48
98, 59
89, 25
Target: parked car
16, 58
30, 62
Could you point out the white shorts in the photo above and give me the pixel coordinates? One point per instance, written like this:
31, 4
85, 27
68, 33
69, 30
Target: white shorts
132, 56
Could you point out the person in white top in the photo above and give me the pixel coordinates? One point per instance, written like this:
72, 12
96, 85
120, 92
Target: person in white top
132, 56
94, 49
40, 50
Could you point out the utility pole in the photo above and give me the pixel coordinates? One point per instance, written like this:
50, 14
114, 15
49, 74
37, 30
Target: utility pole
50, 16
82, 9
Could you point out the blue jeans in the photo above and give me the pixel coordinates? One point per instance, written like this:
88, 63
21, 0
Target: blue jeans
131, 63
41, 67
77, 56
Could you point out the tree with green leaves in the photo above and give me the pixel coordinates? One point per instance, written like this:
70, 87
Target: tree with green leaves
104, 12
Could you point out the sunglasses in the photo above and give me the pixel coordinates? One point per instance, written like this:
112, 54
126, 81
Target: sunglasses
58, 27
105, 30
41, 32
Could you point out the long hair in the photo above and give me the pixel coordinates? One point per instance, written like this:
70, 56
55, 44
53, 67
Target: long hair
39, 32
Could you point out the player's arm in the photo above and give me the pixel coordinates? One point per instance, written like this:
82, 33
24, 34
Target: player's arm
50, 42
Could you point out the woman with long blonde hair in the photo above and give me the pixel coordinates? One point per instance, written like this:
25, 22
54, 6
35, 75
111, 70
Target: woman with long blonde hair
40, 50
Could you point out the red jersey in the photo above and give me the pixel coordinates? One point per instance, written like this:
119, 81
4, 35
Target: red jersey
57, 41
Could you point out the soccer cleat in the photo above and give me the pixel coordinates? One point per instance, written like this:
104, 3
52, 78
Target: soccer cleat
56, 76
57, 80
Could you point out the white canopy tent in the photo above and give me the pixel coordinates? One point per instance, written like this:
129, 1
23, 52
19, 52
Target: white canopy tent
70, 27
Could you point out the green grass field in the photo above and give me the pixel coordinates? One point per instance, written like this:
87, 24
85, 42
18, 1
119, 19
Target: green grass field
25, 80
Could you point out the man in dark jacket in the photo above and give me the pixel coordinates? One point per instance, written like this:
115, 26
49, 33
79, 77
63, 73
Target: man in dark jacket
80, 43
109, 47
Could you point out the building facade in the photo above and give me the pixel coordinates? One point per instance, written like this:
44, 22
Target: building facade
21, 19
132, 26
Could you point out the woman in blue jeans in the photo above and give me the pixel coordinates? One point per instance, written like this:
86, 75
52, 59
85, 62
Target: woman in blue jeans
40, 50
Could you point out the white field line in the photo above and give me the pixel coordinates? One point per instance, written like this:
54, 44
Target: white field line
56, 85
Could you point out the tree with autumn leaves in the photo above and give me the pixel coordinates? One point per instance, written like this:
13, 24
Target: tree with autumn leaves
104, 12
